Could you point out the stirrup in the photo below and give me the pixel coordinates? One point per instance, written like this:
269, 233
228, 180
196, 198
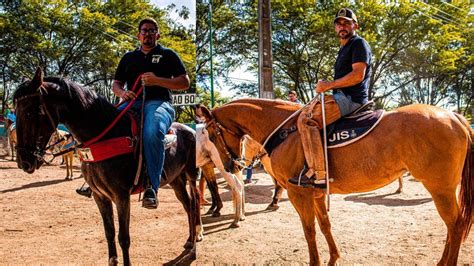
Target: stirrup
303, 180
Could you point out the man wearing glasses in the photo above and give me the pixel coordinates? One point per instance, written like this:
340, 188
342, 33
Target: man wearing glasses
162, 71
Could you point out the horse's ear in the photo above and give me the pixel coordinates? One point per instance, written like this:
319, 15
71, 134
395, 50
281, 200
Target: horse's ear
38, 78
203, 113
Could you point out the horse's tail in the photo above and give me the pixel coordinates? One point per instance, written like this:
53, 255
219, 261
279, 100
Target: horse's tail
466, 193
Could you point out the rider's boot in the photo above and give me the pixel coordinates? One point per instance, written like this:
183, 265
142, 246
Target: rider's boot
309, 125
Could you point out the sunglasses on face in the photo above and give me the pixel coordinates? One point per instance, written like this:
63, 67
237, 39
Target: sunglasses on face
150, 31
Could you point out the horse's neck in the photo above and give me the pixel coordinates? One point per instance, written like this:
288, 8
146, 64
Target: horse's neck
258, 118
86, 122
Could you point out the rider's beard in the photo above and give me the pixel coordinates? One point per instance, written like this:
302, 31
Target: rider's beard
148, 41
348, 34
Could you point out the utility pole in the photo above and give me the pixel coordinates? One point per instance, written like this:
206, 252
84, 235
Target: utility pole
265, 79
210, 54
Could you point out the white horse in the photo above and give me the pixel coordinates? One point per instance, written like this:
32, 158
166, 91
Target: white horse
206, 151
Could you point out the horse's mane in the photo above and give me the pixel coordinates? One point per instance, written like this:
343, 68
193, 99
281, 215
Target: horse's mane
273, 104
81, 96
265, 102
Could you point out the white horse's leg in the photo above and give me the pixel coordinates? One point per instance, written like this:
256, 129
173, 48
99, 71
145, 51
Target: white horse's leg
236, 186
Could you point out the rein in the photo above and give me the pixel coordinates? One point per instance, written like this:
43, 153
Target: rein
262, 152
39, 153
218, 128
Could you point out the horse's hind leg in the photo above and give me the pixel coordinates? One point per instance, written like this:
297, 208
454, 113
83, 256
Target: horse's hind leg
106, 211
448, 209
276, 196
447, 206
325, 225
400, 185
303, 201
196, 210
123, 212
179, 187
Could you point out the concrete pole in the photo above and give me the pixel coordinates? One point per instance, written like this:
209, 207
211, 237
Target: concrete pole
265, 79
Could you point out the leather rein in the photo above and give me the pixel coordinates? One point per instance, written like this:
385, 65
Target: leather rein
218, 128
40, 152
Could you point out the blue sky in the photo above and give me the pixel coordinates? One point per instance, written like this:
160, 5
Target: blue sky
191, 4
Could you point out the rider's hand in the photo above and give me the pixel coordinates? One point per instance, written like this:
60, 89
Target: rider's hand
149, 79
128, 95
323, 86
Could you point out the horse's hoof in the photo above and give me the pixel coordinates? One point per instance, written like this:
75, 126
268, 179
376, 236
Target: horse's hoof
199, 237
113, 261
216, 214
398, 191
188, 245
272, 207
235, 224
242, 218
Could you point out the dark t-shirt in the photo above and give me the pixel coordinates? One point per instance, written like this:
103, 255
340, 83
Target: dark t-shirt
163, 62
356, 50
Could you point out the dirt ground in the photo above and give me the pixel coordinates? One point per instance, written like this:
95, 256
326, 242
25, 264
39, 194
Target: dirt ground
45, 222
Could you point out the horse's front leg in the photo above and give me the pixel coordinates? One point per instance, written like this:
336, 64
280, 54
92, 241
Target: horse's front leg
325, 225
106, 211
123, 212
303, 201
236, 185
276, 196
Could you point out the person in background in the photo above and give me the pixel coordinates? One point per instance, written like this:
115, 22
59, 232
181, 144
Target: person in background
292, 97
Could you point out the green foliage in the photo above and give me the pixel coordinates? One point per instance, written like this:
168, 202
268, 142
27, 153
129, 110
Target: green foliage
422, 52
82, 39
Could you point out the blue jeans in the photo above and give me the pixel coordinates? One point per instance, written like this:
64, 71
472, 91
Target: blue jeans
158, 116
345, 103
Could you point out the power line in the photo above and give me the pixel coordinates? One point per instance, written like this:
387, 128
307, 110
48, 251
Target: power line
446, 3
440, 19
452, 17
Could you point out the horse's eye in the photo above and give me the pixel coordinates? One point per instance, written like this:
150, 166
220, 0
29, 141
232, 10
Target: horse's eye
212, 138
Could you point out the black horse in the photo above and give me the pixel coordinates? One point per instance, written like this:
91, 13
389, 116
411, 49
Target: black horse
41, 105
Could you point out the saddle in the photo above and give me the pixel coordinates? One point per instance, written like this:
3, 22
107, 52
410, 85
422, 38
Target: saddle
344, 131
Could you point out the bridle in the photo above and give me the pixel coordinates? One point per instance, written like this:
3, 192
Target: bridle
262, 152
43, 110
40, 92
220, 141
218, 128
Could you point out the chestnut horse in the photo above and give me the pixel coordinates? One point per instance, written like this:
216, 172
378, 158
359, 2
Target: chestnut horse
11, 136
41, 105
435, 145
251, 150
62, 140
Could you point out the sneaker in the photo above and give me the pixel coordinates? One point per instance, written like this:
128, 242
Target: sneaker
305, 181
150, 200
84, 191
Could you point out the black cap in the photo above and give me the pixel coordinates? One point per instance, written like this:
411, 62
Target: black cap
347, 14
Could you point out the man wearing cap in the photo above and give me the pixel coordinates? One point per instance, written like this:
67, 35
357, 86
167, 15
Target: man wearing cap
350, 91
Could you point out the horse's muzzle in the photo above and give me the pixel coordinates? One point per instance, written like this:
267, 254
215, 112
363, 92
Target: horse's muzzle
27, 167
26, 161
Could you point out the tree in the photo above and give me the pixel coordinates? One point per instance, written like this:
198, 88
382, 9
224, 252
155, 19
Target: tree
83, 40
